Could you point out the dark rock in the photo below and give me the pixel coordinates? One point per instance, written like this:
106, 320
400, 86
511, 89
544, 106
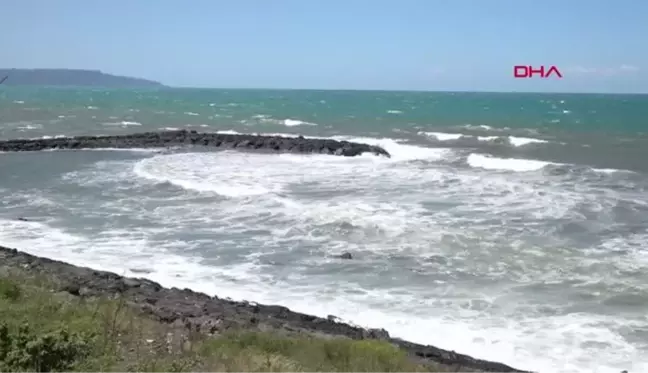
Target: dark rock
345, 255
131, 282
332, 318
200, 312
73, 289
375, 334
166, 139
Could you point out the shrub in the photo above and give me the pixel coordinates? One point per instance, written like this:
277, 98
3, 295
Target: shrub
9, 290
26, 350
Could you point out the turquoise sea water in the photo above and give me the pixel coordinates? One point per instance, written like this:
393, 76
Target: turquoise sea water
510, 227
361, 111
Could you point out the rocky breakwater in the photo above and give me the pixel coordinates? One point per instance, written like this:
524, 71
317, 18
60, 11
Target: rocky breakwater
192, 138
211, 315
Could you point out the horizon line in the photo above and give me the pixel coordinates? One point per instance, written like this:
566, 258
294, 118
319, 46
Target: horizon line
165, 86
162, 85
400, 90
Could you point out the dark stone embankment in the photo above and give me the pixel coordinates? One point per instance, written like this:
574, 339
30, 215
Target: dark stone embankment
197, 311
192, 138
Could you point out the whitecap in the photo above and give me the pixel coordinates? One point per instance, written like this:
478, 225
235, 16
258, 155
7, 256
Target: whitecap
296, 122
521, 141
513, 140
506, 164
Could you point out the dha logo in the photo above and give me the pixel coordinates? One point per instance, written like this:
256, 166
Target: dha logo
529, 72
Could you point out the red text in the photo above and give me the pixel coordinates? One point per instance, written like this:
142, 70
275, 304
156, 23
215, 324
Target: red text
530, 72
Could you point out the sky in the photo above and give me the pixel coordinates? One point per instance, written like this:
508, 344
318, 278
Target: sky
435, 45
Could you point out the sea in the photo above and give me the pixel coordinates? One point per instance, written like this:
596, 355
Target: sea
511, 227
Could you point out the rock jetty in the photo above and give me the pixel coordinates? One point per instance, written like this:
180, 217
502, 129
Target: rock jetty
212, 315
192, 138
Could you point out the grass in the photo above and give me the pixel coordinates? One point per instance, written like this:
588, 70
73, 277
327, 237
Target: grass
42, 330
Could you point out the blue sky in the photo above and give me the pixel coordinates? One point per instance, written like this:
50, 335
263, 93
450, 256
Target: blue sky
468, 45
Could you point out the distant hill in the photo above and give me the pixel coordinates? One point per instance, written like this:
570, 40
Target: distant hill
71, 77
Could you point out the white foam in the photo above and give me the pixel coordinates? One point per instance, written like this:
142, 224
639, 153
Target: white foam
552, 346
45, 137
441, 136
296, 122
191, 113
265, 118
513, 140
228, 132
610, 170
206, 172
520, 165
521, 141
507, 164
488, 138
480, 126
123, 123
369, 205
400, 152
35, 126
394, 112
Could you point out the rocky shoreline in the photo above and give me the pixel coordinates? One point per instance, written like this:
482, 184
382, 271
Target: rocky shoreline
164, 139
213, 315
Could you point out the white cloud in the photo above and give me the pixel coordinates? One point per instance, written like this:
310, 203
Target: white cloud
629, 68
603, 70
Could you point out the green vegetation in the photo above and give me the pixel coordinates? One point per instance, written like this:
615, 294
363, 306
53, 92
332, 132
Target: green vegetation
43, 330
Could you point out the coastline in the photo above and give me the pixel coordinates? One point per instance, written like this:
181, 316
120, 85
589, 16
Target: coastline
212, 315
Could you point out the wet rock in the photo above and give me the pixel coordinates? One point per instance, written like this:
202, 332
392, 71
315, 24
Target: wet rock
346, 255
140, 270
167, 139
211, 315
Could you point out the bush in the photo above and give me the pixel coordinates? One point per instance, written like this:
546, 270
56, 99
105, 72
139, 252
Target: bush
9, 290
42, 329
26, 350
